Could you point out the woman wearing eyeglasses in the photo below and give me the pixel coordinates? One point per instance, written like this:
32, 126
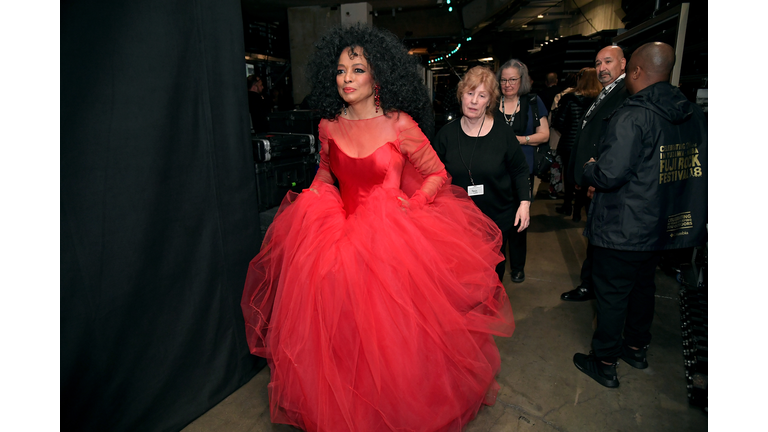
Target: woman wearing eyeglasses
529, 125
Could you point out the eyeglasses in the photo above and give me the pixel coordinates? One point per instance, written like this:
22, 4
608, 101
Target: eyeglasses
511, 81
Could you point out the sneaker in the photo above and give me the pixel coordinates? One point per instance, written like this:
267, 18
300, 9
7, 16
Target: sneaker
635, 358
602, 373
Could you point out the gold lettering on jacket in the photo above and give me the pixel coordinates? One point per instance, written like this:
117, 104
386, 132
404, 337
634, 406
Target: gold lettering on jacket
678, 222
679, 162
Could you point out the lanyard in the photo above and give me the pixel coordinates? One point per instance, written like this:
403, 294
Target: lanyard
474, 146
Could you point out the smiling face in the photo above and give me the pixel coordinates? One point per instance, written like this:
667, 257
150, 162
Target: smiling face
510, 82
354, 79
474, 102
610, 63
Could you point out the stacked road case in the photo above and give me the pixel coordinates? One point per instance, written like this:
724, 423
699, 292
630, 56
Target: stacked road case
693, 315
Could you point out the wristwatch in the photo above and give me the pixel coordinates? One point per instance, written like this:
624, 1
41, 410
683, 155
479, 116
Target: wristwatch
527, 139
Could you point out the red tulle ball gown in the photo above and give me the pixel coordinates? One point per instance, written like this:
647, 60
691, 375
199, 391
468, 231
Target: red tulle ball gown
375, 303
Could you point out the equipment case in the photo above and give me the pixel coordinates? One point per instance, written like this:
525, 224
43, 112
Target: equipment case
275, 178
277, 145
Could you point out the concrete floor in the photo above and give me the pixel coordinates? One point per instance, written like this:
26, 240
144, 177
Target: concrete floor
541, 389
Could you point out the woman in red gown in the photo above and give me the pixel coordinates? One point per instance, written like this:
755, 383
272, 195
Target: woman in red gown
375, 303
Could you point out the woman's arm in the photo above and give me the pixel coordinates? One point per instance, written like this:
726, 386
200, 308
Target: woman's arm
517, 168
415, 146
540, 135
324, 170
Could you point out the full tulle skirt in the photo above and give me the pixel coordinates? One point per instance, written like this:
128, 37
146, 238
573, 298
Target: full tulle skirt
382, 320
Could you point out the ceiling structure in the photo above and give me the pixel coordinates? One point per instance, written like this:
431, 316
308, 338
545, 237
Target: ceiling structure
429, 29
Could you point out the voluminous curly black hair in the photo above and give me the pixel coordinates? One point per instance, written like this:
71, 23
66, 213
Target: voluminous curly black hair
401, 87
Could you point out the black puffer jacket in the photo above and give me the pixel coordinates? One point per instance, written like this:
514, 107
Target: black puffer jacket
651, 174
567, 118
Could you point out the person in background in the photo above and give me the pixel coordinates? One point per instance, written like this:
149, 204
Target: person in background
567, 121
259, 106
483, 156
650, 181
551, 90
570, 84
610, 64
525, 114
556, 179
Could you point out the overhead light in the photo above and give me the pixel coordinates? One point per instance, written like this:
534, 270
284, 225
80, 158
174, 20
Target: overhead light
469, 38
524, 26
448, 2
557, 38
486, 59
540, 16
450, 9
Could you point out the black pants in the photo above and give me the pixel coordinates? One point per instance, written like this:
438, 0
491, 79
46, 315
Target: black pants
625, 291
581, 200
518, 247
586, 269
568, 189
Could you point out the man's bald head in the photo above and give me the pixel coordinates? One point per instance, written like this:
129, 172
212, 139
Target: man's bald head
612, 50
610, 63
651, 63
656, 58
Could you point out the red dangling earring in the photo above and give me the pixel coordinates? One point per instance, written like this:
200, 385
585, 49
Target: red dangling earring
377, 98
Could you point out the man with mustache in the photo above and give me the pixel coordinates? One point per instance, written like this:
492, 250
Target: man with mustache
610, 64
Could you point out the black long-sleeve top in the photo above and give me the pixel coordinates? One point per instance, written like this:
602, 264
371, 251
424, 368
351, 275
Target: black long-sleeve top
498, 164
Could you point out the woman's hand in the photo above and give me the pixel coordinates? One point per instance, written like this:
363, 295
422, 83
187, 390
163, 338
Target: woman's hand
404, 204
523, 216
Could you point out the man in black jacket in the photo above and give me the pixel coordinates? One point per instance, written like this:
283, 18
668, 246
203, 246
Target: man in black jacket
610, 64
650, 183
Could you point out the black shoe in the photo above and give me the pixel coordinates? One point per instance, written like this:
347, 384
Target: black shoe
577, 216
602, 373
635, 358
563, 210
581, 293
518, 276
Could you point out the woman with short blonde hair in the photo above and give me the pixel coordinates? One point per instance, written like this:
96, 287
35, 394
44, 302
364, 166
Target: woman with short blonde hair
474, 78
483, 156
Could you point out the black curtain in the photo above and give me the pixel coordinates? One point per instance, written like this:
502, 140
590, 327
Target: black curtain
158, 212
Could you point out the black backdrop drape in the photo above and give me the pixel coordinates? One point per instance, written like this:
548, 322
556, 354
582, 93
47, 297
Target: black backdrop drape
158, 212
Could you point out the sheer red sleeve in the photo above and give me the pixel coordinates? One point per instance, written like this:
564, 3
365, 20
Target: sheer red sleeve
324, 170
415, 146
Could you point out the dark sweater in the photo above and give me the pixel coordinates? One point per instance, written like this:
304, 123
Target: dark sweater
498, 164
